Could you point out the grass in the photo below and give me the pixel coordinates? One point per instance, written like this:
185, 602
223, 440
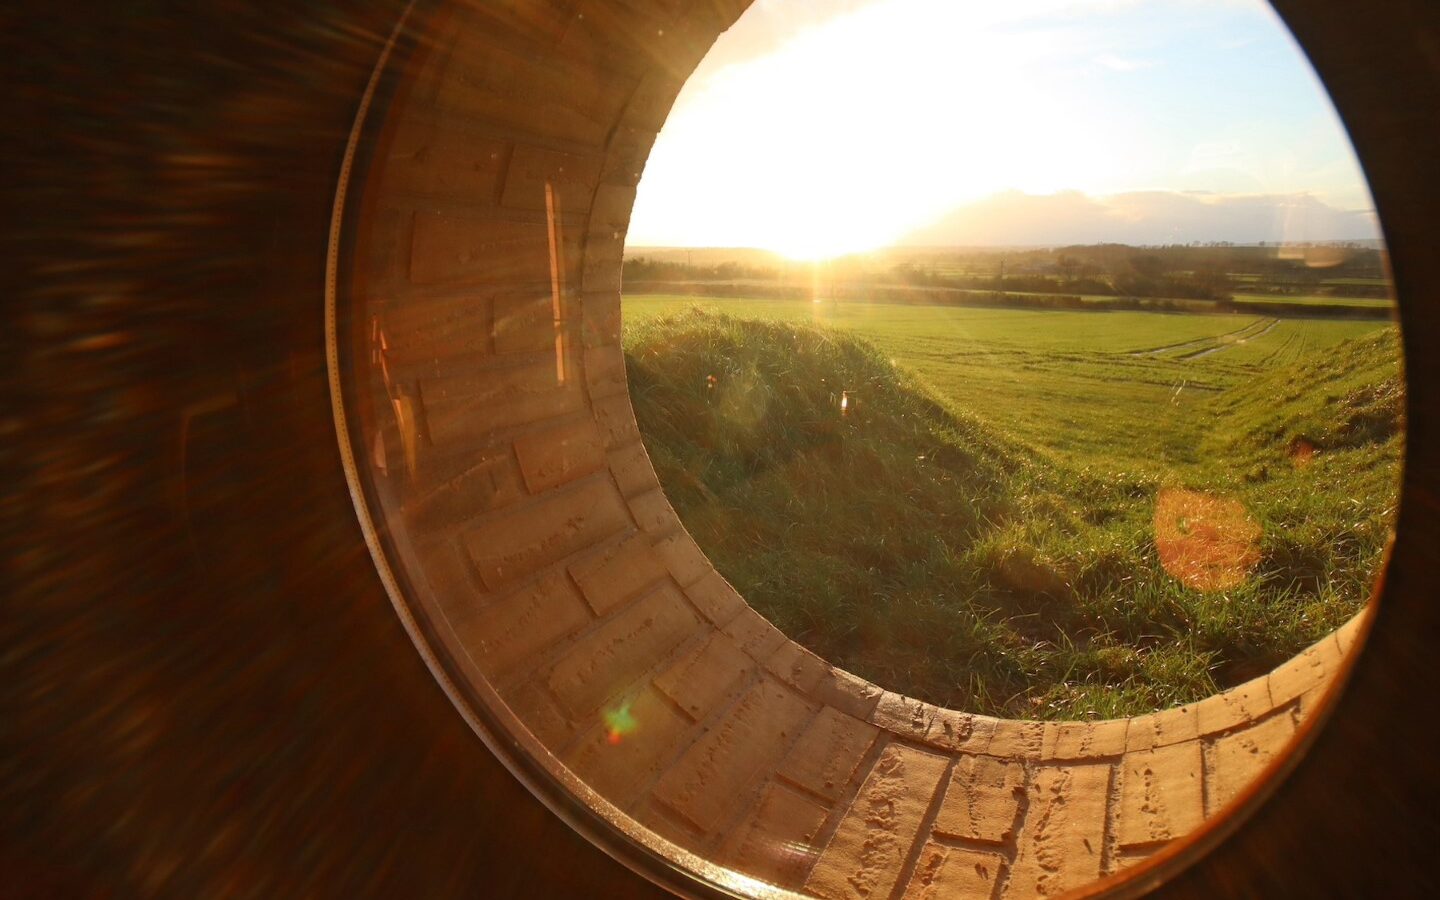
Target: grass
980, 528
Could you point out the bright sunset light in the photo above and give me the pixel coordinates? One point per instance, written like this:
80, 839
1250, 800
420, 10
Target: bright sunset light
817, 129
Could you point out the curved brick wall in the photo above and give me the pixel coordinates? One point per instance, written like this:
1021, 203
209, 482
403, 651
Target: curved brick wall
480, 287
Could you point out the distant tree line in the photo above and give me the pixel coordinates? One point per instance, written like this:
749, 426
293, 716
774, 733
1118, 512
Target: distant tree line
1215, 271
644, 269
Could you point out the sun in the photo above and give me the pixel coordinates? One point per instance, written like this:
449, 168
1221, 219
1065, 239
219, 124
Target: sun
848, 137
814, 242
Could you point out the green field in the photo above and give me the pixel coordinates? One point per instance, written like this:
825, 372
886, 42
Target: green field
1078, 384
980, 528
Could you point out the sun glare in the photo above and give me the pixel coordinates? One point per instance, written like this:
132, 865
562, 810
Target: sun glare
911, 122
865, 127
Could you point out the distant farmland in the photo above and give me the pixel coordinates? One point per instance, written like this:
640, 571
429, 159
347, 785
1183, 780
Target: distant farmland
983, 530
1126, 386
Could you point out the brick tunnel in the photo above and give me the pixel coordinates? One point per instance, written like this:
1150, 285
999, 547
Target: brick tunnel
209, 692
480, 386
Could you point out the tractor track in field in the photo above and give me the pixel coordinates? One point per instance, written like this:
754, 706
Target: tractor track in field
1206, 345
1226, 345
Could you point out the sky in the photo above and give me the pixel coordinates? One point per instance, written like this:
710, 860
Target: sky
821, 127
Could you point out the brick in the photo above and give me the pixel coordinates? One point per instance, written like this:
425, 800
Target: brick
419, 330
559, 455
946, 728
902, 715
449, 575
652, 512
381, 264
447, 248
1312, 700
1346, 635
529, 701
571, 178
488, 81
963, 732
650, 104
1062, 837
1130, 857
1161, 794
848, 693
981, 799
631, 469
528, 322
876, 835
754, 633
1235, 707
543, 20
1017, 739
1088, 740
426, 158
942, 873
600, 273
612, 208
796, 666
631, 745
680, 46
715, 598
512, 629
699, 682
625, 157
602, 267
667, 824
466, 409
1171, 726
683, 559
777, 842
608, 660
600, 320
605, 371
1049, 741
512, 546
662, 11
437, 466
1236, 759
616, 419
1308, 670
609, 36
610, 577
488, 484
725, 767
827, 754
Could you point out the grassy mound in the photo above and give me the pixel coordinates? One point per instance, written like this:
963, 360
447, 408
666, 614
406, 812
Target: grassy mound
915, 545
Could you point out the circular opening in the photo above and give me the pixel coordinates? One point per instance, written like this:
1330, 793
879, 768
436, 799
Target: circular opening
1099, 428
511, 505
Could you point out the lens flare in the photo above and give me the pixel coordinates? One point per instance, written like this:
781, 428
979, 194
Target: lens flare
618, 723
1207, 542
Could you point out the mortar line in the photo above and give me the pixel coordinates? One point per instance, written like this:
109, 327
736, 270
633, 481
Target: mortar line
927, 826
699, 729
546, 658
843, 803
1110, 836
753, 803
634, 688
1010, 847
